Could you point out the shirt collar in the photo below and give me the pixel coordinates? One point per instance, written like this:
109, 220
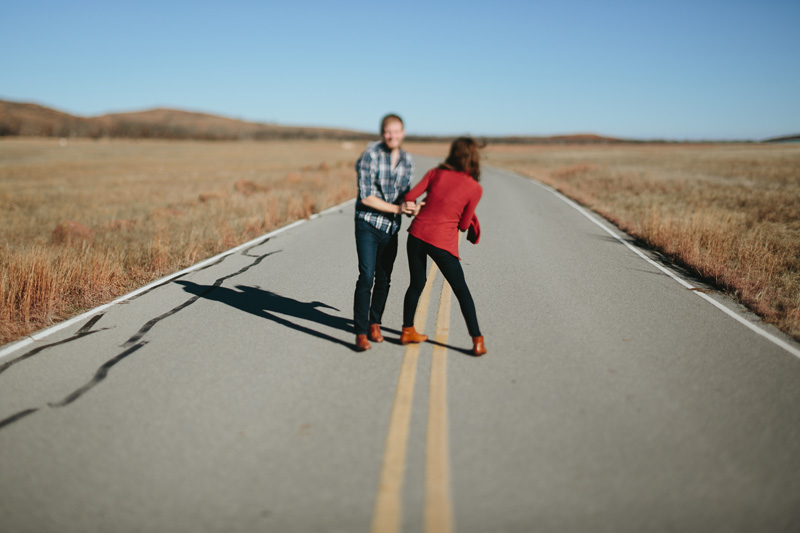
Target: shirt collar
385, 149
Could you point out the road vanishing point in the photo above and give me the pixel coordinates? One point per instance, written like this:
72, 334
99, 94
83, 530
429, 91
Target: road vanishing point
617, 394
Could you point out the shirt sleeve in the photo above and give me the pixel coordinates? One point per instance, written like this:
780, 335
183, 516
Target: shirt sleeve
409, 176
469, 210
419, 188
367, 170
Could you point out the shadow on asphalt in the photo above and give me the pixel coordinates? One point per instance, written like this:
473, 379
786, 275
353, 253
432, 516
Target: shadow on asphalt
269, 305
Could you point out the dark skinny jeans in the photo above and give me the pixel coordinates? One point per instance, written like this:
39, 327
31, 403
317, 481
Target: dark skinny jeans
450, 266
376, 254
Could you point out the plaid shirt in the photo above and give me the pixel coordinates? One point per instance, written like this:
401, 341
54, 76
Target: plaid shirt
376, 177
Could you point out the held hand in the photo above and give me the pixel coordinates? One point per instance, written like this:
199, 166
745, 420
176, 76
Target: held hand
411, 209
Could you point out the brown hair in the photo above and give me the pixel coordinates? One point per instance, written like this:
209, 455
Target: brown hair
391, 117
464, 157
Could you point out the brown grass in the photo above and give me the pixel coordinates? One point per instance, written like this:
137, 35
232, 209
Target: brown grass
148, 208
729, 212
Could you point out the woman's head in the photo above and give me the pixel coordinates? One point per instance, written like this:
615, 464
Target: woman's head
464, 157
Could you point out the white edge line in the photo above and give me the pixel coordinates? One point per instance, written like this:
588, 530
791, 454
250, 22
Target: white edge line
769, 336
30, 339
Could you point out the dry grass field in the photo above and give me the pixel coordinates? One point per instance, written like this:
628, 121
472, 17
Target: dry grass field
730, 213
83, 223
138, 210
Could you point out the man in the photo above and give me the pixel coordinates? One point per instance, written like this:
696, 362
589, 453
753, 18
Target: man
384, 177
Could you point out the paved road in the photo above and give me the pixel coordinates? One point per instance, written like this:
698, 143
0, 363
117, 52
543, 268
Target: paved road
229, 399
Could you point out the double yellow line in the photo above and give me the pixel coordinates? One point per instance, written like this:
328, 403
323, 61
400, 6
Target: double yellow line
438, 501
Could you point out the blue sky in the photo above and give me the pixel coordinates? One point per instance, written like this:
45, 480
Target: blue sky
679, 70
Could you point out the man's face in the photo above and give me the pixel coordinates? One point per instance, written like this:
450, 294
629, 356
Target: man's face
393, 134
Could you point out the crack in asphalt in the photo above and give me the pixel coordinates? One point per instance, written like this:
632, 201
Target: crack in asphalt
99, 376
13, 418
132, 345
83, 332
215, 263
152, 322
247, 251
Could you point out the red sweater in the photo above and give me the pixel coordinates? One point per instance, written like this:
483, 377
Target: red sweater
449, 207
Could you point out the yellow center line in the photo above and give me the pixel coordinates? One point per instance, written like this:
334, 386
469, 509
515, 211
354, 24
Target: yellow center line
386, 517
438, 501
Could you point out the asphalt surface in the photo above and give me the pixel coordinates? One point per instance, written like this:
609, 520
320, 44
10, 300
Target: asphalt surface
230, 398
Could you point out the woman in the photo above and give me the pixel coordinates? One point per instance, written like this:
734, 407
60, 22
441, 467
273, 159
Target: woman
453, 193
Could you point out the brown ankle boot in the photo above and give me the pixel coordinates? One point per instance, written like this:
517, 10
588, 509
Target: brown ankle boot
375, 333
478, 348
410, 335
362, 344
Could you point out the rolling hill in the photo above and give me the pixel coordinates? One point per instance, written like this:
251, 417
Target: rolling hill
27, 119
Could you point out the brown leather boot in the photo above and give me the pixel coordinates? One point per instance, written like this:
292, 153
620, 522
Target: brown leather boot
375, 333
362, 344
478, 348
410, 335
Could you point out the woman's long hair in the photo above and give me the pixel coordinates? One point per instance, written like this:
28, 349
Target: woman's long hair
464, 157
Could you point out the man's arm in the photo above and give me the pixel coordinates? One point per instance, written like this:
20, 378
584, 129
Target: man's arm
373, 202
367, 168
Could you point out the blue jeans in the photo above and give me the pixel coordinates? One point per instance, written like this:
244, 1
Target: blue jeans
377, 251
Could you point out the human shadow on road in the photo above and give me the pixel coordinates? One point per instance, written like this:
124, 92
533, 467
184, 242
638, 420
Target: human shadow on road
273, 306
465, 351
270, 305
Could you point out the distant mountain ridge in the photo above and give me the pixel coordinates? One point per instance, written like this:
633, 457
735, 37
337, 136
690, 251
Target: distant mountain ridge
784, 139
27, 119
34, 120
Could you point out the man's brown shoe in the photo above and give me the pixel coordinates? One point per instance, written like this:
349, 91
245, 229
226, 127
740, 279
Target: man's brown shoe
410, 335
362, 344
375, 333
478, 348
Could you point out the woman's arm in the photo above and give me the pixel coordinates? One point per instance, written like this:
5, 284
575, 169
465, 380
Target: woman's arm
419, 188
469, 210
410, 207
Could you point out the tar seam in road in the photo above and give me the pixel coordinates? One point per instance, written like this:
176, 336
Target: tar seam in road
83, 332
97, 313
13, 418
147, 288
152, 322
99, 376
133, 344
